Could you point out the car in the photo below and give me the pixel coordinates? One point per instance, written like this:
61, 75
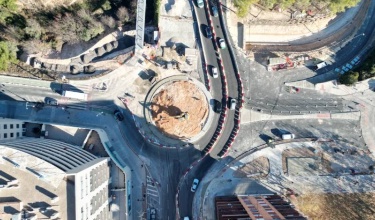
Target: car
153, 214
233, 103
345, 69
353, 62
215, 13
118, 115
349, 66
342, 72
51, 101
337, 70
287, 136
200, 3
186, 218
222, 43
195, 185
218, 107
208, 32
214, 72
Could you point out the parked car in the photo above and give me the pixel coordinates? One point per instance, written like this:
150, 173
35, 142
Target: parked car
200, 3
337, 70
233, 103
208, 32
118, 115
349, 66
218, 107
214, 72
186, 218
287, 136
345, 69
195, 185
153, 214
222, 43
215, 13
51, 101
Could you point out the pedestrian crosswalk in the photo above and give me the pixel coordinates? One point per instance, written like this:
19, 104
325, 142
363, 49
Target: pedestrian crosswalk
152, 192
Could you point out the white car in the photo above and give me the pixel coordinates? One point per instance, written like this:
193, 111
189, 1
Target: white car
222, 43
200, 3
233, 103
349, 66
214, 72
195, 185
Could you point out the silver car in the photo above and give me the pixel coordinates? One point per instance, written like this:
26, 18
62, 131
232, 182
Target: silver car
195, 185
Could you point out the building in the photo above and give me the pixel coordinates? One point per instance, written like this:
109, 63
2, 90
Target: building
71, 183
11, 129
265, 207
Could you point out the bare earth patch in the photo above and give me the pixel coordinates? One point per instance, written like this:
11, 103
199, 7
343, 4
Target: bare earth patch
171, 102
256, 168
337, 206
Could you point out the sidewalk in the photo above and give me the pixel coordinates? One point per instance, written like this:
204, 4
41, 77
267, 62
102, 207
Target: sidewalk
249, 116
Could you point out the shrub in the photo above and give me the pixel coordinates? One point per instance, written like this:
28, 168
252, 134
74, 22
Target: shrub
349, 78
108, 21
33, 29
8, 54
123, 15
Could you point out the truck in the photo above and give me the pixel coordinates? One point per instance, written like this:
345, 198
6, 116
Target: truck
75, 95
321, 65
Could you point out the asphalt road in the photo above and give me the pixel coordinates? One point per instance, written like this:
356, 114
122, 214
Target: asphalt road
185, 195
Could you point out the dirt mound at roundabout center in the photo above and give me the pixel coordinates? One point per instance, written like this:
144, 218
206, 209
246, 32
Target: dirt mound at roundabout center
170, 104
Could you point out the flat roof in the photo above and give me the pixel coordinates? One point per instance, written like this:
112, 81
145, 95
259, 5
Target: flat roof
34, 193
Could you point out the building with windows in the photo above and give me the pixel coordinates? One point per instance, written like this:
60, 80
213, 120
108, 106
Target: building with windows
265, 207
69, 180
11, 129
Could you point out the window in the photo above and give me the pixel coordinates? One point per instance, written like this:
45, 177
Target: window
11, 126
18, 134
5, 126
11, 134
5, 135
17, 125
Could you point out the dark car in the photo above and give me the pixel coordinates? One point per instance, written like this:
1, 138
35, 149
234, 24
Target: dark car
51, 101
218, 106
208, 32
118, 115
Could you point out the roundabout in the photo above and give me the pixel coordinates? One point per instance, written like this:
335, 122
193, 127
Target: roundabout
177, 109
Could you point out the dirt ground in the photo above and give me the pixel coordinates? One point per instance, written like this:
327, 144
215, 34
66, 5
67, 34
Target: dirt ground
175, 99
336, 206
256, 168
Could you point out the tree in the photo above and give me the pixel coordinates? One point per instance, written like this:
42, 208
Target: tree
123, 14
243, 7
8, 4
8, 54
108, 21
339, 5
349, 78
33, 29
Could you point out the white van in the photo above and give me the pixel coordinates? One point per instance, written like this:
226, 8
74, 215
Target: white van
287, 136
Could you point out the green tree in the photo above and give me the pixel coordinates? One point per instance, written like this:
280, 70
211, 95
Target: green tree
286, 3
9, 4
8, 54
33, 28
349, 78
339, 5
243, 7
